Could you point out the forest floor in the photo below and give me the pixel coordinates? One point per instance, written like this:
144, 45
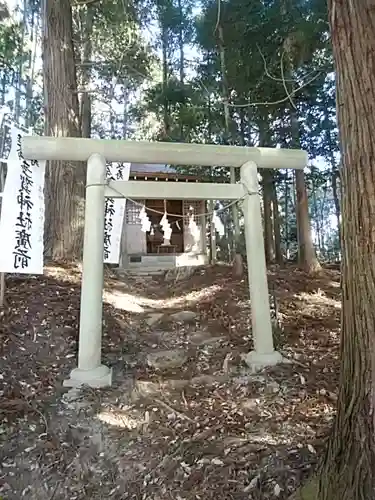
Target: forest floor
188, 423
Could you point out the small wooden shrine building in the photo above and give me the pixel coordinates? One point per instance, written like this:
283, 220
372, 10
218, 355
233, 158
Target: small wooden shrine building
163, 233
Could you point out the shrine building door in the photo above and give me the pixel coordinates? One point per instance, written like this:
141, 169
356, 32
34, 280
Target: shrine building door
154, 238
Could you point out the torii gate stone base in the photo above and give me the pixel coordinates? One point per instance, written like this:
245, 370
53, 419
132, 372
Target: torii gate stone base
96, 153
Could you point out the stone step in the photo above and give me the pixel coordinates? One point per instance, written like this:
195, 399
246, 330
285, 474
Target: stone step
144, 271
160, 258
151, 265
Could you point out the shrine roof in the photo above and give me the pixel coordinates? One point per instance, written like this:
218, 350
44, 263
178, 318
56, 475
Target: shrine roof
159, 170
150, 168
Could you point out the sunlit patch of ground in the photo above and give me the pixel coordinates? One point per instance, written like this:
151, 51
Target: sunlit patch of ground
206, 430
139, 303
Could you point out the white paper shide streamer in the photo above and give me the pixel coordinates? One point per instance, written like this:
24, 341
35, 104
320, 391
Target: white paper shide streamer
219, 226
114, 214
22, 213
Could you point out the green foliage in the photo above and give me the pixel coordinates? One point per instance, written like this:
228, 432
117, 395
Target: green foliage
117, 40
156, 65
10, 41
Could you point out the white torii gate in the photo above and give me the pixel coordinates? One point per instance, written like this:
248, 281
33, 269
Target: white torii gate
97, 152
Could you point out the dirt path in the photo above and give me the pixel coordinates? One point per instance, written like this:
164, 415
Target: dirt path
184, 419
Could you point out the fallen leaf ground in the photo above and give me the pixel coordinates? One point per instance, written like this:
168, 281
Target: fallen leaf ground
207, 430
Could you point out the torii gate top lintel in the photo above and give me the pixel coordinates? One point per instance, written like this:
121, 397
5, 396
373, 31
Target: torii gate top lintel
171, 153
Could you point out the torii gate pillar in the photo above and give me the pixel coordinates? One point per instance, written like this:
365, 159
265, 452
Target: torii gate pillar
90, 371
264, 353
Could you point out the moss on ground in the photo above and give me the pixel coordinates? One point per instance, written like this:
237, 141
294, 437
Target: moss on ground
308, 491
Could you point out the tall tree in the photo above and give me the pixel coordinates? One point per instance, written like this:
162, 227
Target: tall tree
164, 11
230, 139
65, 183
267, 180
349, 469
306, 252
87, 21
276, 222
307, 258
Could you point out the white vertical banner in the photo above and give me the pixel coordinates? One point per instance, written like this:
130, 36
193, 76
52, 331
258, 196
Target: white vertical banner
3, 111
22, 213
114, 214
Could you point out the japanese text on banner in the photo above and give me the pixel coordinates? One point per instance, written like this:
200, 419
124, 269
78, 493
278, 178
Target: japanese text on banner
114, 214
22, 213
